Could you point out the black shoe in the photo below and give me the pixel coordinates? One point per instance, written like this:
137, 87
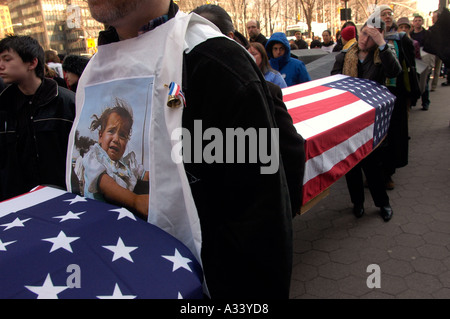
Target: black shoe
445, 84
358, 210
386, 213
425, 107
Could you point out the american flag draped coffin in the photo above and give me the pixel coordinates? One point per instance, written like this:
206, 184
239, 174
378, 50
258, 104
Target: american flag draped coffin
342, 119
55, 244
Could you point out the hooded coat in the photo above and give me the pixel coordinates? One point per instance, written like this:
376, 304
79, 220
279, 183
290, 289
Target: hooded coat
293, 70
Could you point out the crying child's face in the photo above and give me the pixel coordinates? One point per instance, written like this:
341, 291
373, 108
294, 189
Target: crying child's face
114, 138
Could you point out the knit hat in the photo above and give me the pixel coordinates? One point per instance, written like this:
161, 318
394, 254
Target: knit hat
384, 7
75, 64
348, 33
403, 20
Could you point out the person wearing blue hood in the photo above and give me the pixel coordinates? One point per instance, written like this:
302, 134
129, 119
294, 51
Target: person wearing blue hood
279, 52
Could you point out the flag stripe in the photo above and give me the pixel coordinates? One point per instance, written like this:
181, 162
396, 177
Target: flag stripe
314, 97
327, 121
289, 98
328, 102
311, 84
321, 182
323, 142
28, 200
327, 160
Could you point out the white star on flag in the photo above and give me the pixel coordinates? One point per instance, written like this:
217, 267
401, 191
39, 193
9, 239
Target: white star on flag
3, 245
76, 200
121, 251
61, 241
117, 294
123, 212
68, 216
47, 290
16, 223
179, 261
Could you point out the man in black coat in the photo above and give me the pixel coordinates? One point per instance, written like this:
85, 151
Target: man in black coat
292, 148
36, 117
254, 32
245, 216
438, 39
397, 148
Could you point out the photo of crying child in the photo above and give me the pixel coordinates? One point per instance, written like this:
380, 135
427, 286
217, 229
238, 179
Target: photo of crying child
108, 174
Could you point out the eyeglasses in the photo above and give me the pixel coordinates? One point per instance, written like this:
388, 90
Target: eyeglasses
387, 14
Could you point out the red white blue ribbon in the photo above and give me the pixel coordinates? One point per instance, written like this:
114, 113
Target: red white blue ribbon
175, 90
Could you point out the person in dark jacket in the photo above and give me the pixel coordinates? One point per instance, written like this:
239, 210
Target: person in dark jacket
254, 32
315, 44
2, 85
371, 59
301, 44
339, 45
35, 120
397, 140
52, 74
245, 216
328, 43
279, 52
222, 20
73, 66
420, 34
437, 41
292, 147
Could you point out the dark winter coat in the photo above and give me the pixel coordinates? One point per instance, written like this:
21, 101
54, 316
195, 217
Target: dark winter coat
396, 153
33, 137
368, 69
261, 39
438, 38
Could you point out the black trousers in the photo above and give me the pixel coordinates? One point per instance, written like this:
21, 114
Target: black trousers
373, 170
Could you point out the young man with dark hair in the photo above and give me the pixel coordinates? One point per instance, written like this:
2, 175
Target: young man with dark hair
35, 120
301, 44
418, 32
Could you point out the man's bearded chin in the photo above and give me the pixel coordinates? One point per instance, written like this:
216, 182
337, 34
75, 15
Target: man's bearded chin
108, 13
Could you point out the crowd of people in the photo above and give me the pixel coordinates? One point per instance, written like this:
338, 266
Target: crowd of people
236, 220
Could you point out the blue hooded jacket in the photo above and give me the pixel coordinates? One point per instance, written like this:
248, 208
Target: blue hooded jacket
293, 70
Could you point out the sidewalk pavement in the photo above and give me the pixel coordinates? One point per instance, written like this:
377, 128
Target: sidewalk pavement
333, 249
